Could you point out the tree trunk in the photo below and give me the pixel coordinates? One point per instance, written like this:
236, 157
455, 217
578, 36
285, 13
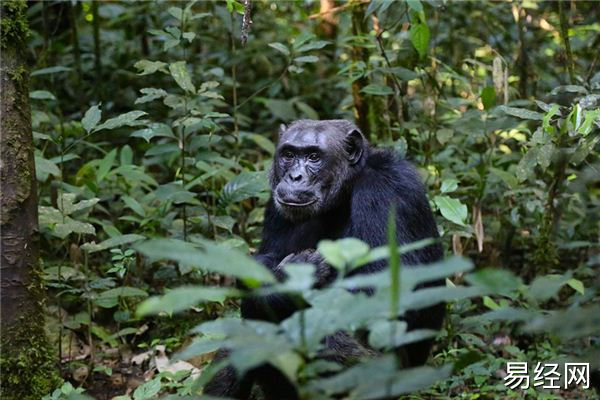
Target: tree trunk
26, 359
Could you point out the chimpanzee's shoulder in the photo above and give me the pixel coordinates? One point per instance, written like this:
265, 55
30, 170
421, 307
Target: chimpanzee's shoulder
388, 167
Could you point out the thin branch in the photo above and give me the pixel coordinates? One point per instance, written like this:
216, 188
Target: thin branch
337, 9
564, 32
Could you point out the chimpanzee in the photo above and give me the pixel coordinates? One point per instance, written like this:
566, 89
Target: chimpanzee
328, 183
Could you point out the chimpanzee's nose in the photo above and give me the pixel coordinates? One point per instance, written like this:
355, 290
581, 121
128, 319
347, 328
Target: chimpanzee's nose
296, 176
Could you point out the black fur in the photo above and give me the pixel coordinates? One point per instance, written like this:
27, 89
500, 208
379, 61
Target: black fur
366, 191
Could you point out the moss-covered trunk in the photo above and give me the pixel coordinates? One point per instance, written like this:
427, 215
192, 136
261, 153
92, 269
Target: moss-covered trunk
26, 361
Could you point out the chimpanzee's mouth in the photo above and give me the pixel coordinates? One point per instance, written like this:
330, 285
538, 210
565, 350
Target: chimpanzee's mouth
288, 203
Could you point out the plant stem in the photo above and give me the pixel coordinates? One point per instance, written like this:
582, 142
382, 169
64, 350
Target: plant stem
564, 32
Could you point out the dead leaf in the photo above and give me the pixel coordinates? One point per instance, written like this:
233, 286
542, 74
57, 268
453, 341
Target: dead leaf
163, 364
478, 227
457, 248
139, 359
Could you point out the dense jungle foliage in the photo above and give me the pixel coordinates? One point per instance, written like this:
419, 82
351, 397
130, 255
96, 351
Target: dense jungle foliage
155, 124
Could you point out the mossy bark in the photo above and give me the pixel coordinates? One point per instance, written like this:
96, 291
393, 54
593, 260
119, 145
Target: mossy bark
26, 360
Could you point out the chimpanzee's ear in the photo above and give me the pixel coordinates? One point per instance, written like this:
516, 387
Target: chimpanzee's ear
282, 128
354, 144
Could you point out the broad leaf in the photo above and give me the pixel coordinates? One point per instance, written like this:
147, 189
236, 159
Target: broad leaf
209, 256
184, 298
181, 75
127, 119
112, 242
376, 89
280, 48
451, 209
419, 37
91, 118
522, 113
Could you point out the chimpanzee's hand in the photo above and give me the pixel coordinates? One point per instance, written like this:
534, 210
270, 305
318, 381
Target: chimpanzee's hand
324, 273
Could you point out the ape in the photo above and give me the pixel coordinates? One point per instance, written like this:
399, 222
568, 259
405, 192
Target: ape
327, 183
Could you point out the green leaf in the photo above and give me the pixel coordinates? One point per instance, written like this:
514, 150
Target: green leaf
244, 186
110, 298
235, 5
319, 44
41, 95
304, 37
577, 285
490, 303
544, 155
127, 119
189, 36
522, 113
545, 287
149, 67
280, 48
66, 203
51, 70
44, 168
307, 110
176, 12
150, 94
449, 185
170, 43
63, 230
62, 225
282, 109
134, 205
419, 37
508, 178
91, 118
415, 5
112, 242
183, 298
154, 130
306, 59
526, 165
208, 255
148, 390
494, 280
378, 90
180, 73
126, 155
263, 141
451, 209
488, 97
106, 164
402, 73
174, 32
570, 323
342, 252
551, 113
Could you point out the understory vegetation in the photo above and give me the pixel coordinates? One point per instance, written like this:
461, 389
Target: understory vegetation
155, 125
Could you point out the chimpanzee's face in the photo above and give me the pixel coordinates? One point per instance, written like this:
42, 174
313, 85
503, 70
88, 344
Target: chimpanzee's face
312, 164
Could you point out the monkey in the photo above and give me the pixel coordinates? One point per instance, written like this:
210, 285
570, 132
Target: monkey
327, 182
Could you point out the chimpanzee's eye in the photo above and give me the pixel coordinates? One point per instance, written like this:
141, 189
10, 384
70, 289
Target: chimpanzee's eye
313, 157
288, 155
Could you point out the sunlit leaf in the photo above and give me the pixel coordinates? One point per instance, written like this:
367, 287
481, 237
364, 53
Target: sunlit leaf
451, 209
